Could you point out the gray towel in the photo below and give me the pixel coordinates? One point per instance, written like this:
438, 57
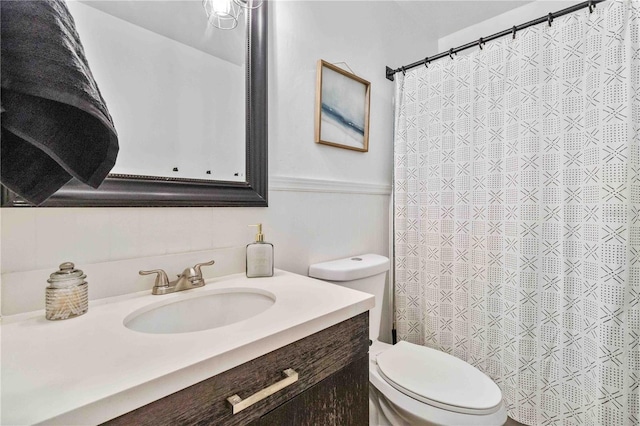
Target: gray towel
55, 124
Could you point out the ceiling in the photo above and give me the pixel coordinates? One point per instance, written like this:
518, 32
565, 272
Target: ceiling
185, 21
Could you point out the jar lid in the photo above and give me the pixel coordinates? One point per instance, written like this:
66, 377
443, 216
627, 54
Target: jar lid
67, 272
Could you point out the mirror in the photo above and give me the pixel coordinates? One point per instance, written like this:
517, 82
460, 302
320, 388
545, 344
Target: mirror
174, 85
209, 165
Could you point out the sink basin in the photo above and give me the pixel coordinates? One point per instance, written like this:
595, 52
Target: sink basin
200, 311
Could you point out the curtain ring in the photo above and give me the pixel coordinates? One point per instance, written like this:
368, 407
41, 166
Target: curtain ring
513, 31
550, 18
480, 42
591, 6
404, 71
426, 62
451, 53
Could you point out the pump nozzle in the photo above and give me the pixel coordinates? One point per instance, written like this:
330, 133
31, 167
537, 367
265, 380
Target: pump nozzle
259, 235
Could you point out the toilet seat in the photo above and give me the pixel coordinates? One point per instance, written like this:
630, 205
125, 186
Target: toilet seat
438, 379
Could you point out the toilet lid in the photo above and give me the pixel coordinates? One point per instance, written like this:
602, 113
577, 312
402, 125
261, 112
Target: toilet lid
438, 379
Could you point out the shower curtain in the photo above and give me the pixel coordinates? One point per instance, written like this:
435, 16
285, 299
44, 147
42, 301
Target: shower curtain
517, 215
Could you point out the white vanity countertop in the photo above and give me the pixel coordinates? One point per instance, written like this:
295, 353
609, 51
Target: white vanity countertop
90, 369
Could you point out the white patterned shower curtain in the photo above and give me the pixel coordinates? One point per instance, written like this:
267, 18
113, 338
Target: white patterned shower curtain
517, 215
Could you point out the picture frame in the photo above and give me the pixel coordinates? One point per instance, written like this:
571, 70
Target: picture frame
342, 108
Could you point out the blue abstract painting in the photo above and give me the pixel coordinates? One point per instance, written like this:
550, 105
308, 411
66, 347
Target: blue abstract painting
343, 110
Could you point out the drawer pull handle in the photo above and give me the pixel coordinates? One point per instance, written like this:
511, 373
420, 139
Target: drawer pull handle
238, 404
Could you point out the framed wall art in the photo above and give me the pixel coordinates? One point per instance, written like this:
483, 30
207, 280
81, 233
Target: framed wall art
342, 108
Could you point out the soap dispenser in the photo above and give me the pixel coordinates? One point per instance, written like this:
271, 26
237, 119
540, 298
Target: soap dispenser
259, 256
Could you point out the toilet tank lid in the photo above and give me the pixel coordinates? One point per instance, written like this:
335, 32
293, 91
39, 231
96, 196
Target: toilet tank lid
350, 268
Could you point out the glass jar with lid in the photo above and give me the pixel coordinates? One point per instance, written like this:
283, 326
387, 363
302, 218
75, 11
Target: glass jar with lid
67, 295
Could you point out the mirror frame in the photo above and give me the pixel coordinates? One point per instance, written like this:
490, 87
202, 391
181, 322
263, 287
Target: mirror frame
145, 191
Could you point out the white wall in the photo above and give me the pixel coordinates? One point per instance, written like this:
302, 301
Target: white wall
337, 204
367, 36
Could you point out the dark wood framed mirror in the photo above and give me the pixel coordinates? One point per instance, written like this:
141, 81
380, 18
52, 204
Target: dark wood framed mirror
144, 191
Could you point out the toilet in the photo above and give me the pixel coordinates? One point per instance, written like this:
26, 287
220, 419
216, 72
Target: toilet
412, 384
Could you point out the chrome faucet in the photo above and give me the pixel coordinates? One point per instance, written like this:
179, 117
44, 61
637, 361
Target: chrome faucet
188, 279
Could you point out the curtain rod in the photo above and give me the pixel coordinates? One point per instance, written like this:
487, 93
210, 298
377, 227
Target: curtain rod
549, 18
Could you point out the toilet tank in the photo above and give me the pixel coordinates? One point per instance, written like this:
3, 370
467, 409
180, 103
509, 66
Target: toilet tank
366, 273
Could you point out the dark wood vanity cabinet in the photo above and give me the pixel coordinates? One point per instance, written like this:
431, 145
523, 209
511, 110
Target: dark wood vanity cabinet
332, 386
340, 399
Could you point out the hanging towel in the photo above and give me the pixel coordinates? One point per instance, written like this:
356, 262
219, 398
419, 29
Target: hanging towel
55, 124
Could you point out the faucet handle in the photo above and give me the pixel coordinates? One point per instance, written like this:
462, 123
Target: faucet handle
200, 265
161, 279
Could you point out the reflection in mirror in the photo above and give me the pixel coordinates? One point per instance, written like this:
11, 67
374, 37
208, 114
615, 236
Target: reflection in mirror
136, 184
175, 86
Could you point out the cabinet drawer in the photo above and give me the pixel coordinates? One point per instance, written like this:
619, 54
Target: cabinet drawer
341, 399
314, 358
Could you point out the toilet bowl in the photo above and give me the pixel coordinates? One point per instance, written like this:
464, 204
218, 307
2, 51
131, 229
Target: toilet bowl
412, 384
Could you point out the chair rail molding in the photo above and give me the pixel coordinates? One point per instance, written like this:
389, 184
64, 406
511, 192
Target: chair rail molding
296, 184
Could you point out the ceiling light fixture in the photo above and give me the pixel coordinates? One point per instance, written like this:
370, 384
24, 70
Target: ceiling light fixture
249, 4
224, 14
